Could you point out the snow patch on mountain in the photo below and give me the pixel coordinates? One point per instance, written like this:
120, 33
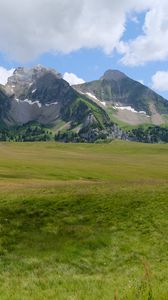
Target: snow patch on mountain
29, 102
95, 98
35, 102
53, 103
117, 106
92, 96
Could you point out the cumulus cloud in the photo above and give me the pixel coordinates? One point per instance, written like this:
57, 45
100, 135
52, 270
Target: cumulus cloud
5, 74
72, 78
141, 81
31, 27
152, 45
160, 81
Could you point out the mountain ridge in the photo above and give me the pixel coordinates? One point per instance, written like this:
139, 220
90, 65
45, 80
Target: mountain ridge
85, 112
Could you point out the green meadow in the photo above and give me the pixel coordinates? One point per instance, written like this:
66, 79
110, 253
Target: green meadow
83, 221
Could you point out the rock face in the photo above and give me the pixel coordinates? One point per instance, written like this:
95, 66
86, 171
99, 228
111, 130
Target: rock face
126, 99
23, 79
38, 94
113, 75
4, 104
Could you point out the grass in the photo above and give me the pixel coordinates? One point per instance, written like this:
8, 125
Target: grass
83, 221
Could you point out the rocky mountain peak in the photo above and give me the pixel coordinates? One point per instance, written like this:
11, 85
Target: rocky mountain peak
113, 75
28, 75
23, 79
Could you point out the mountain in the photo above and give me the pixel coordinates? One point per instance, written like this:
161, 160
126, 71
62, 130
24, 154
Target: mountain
38, 104
38, 94
41, 95
126, 100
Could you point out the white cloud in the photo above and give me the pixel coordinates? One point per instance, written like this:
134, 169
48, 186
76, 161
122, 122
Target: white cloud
39, 26
31, 27
160, 81
135, 19
5, 74
153, 44
141, 81
72, 78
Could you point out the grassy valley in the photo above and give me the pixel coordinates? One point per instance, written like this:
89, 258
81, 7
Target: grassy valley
83, 221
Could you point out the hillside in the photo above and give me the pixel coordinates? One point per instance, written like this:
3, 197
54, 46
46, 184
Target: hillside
125, 99
83, 221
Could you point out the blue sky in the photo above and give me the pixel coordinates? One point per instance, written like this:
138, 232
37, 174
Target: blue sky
103, 42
